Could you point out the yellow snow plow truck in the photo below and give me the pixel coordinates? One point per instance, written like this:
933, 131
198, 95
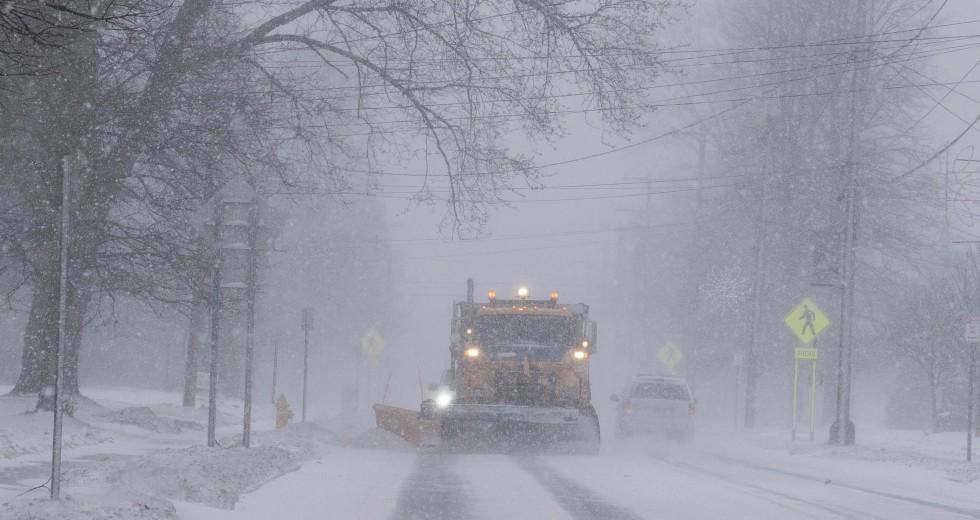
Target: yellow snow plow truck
519, 371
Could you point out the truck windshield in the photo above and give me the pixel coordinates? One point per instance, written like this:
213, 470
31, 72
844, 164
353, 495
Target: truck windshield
521, 329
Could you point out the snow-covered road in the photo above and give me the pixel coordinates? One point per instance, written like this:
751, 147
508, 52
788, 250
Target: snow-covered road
115, 462
624, 482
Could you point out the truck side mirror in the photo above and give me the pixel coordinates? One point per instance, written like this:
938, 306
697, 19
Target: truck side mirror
614, 398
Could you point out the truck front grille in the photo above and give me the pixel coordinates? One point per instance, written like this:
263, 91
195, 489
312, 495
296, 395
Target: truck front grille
515, 387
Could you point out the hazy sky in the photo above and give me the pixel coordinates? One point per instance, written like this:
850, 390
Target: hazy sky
563, 245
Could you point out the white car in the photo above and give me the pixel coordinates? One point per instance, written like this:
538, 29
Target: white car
660, 404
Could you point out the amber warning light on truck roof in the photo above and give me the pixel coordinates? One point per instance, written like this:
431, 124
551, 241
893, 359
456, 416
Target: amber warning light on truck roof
554, 296
491, 295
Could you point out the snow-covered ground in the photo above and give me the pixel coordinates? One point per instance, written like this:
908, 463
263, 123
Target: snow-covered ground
131, 452
138, 454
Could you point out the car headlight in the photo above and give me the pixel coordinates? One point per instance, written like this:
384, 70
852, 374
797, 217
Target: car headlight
443, 399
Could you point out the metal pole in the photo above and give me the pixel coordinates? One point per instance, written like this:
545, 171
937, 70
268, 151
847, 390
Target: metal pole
251, 282
970, 404
357, 380
813, 397
59, 382
306, 365
796, 385
275, 368
215, 323
738, 377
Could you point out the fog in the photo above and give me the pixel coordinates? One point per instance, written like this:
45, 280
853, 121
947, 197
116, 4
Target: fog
767, 206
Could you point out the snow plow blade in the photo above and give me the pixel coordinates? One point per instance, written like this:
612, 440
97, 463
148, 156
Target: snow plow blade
405, 424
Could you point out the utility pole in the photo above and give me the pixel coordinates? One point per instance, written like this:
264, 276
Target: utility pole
972, 337
751, 355
307, 324
842, 430
647, 244
251, 288
67, 165
696, 267
215, 326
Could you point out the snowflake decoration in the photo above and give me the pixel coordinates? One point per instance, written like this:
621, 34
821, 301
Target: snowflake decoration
724, 288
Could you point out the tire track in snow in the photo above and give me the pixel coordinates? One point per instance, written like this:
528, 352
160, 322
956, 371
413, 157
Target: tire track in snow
580, 502
924, 503
434, 490
836, 511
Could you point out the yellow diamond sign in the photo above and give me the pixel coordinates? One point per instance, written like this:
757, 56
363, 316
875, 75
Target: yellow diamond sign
372, 343
670, 355
807, 321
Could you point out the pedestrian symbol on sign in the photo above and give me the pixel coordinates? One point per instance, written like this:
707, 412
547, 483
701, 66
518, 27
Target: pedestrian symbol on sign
808, 316
807, 321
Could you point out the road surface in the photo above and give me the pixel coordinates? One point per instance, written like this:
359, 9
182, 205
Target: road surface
621, 483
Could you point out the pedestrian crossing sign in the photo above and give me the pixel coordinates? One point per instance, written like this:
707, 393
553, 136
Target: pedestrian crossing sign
807, 321
372, 343
670, 355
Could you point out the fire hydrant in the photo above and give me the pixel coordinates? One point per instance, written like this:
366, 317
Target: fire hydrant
283, 413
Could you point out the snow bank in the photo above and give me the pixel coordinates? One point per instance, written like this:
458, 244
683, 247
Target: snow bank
25, 433
304, 440
143, 417
212, 476
113, 506
132, 453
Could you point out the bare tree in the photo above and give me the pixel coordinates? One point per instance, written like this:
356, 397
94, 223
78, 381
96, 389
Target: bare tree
195, 93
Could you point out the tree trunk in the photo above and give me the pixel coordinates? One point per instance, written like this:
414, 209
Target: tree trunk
40, 338
39, 355
193, 347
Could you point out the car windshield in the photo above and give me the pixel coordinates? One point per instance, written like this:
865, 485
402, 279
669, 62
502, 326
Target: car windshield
660, 390
522, 329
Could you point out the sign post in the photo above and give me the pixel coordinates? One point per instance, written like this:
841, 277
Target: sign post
807, 321
972, 337
739, 361
307, 324
805, 354
67, 165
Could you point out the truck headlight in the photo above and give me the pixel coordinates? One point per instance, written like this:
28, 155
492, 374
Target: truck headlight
580, 354
443, 399
472, 352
